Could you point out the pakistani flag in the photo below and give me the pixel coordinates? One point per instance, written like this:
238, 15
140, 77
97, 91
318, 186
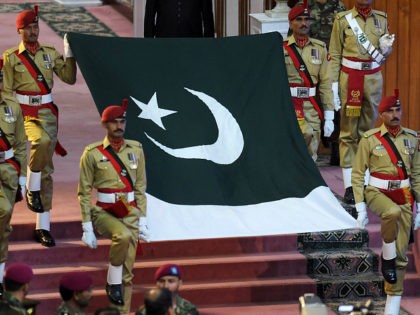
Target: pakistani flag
225, 156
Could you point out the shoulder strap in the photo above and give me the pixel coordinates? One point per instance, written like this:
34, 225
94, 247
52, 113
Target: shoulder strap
34, 71
393, 154
118, 166
364, 40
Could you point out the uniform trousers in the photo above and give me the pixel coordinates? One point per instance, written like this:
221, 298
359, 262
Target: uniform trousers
124, 235
42, 134
396, 221
353, 128
8, 188
311, 129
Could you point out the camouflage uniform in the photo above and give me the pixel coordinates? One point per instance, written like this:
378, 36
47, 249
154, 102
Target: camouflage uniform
65, 310
11, 305
183, 307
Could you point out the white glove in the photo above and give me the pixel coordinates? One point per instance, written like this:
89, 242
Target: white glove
144, 232
88, 236
417, 217
22, 183
67, 50
336, 97
362, 218
328, 123
385, 43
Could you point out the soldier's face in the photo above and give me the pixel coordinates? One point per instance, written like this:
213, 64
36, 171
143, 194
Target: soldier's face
392, 117
172, 283
30, 33
300, 25
83, 298
115, 128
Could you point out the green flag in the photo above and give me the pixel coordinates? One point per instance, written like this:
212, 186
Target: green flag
224, 152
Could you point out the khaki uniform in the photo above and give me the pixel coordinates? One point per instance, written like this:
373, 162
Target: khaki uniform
183, 307
343, 43
11, 124
41, 131
314, 54
97, 172
396, 220
65, 310
11, 306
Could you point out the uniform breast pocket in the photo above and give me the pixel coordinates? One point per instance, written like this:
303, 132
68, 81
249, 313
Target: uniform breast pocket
287, 59
380, 157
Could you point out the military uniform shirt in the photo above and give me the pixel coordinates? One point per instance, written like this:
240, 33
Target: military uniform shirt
314, 54
96, 171
11, 305
65, 310
343, 42
17, 77
183, 307
372, 154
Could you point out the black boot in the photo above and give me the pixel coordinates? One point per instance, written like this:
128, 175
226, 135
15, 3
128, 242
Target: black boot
349, 196
33, 201
114, 293
335, 154
44, 237
388, 270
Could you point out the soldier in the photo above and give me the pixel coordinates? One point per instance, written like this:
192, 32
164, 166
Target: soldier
307, 70
169, 276
178, 18
76, 293
12, 160
392, 154
115, 167
16, 284
157, 301
28, 75
359, 45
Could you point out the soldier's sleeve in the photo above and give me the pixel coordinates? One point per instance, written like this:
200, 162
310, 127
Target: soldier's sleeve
140, 185
360, 164
19, 146
66, 70
86, 178
415, 171
325, 91
8, 74
336, 49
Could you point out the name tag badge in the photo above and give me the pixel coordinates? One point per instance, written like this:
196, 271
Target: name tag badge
379, 147
104, 159
133, 161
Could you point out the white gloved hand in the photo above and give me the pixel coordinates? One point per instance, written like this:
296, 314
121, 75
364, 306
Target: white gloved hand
22, 183
362, 218
385, 43
417, 217
88, 236
336, 97
144, 232
67, 50
328, 123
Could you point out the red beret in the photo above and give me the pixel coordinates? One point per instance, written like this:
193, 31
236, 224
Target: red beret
76, 281
114, 111
299, 10
168, 270
19, 272
27, 17
388, 102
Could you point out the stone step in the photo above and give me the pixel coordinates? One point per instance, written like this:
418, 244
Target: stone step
356, 287
340, 239
344, 262
204, 294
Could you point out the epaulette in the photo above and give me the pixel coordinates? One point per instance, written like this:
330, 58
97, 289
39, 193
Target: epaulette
380, 13
371, 132
93, 145
341, 14
410, 131
11, 50
318, 42
133, 143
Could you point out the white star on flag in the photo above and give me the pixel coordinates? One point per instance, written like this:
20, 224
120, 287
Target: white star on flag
152, 111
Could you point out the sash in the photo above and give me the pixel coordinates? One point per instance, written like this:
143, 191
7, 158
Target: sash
362, 39
39, 79
306, 77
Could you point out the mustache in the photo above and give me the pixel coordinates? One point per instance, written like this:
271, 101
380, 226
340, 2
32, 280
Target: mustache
119, 130
395, 119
